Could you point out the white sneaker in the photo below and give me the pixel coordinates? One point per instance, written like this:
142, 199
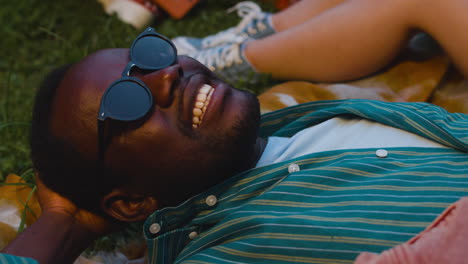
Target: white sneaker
255, 24
227, 61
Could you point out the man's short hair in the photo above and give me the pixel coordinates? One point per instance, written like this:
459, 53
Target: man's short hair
61, 166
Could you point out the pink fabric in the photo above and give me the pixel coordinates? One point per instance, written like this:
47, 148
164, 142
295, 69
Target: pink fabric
444, 241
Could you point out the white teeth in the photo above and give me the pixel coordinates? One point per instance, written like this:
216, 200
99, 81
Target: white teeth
205, 89
203, 99
197, 112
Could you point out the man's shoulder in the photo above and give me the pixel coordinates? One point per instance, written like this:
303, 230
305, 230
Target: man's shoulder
421, 118
306, 108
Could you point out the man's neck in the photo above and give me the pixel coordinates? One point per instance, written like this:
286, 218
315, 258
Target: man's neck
258, 151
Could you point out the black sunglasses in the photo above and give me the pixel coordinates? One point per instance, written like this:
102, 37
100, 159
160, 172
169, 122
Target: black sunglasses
128, 98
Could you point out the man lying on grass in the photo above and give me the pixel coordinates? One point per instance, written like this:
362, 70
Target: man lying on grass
128, 135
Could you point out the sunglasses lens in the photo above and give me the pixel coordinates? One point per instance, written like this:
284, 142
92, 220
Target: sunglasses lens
153, 52
127, 100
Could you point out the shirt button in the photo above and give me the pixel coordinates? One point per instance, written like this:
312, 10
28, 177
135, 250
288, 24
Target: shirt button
211, 200
381, 153
193, 235
154, 228
293, 168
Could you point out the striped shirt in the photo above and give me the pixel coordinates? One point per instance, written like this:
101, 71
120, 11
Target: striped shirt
9, 259
324, 207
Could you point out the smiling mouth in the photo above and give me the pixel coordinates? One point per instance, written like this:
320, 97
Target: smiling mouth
202, 100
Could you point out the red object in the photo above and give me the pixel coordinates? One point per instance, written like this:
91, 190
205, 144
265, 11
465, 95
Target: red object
282, 4
148, 5
176, 8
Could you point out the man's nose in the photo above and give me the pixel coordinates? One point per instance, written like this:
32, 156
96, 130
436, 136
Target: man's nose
162, 84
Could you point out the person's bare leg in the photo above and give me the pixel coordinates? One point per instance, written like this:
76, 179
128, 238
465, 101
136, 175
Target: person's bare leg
301, 12
358, 37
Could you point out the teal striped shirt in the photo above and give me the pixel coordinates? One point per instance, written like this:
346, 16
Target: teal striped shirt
333, 206
324, 207
9, 259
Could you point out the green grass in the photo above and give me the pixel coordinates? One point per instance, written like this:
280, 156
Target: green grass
38, 36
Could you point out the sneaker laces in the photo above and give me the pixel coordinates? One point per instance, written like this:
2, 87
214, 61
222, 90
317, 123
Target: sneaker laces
249, 11
220, 57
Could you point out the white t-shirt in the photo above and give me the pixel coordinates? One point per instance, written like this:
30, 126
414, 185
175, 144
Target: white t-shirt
340, 133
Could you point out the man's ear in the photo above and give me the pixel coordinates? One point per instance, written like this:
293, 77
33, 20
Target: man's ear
128, 207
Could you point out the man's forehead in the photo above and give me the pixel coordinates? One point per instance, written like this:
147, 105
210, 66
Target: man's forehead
91, 76
76, 102
100, 67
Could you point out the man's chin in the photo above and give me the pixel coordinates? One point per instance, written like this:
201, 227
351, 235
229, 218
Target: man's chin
226, 152
233, 150
244, 133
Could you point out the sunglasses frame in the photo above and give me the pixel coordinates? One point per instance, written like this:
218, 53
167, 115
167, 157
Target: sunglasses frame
104, 137
133, 63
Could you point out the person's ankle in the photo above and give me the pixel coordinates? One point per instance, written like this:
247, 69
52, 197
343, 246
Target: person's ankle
248, 55
273, 21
